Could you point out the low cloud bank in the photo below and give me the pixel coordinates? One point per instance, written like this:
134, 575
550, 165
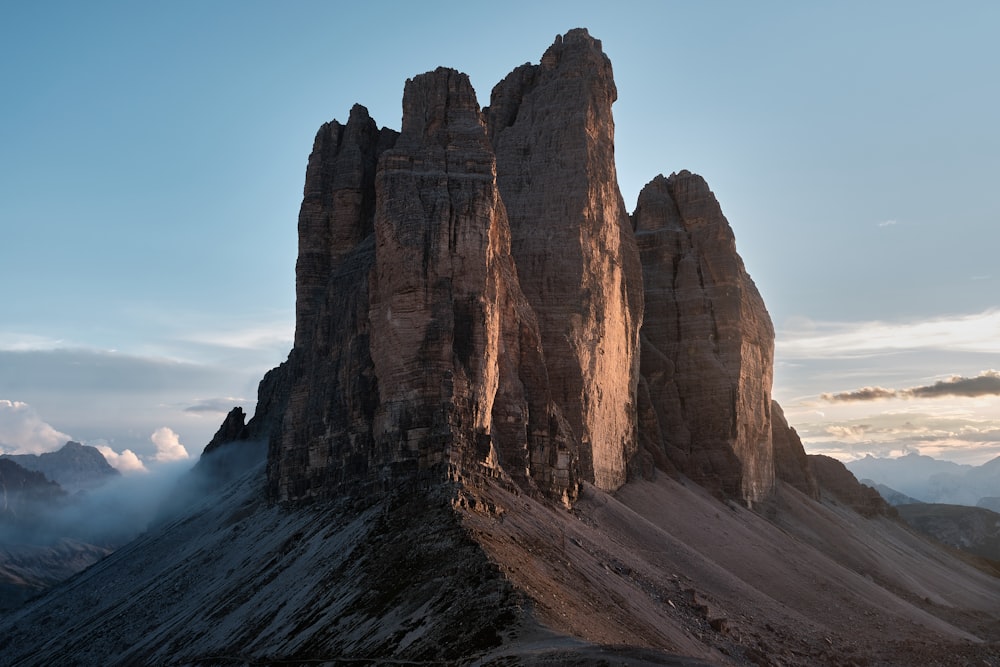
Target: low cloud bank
986, 383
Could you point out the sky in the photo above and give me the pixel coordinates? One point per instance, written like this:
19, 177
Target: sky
152, 158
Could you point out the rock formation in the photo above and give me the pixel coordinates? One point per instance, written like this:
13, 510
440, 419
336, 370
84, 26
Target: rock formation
553, 133
707, 343
791, 465
838, 482
416, 354
470, 295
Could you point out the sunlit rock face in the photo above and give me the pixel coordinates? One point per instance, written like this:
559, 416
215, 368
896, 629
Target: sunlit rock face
707, 344
455, 345
553, 133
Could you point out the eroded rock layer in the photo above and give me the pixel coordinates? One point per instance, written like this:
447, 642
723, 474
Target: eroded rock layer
707, 343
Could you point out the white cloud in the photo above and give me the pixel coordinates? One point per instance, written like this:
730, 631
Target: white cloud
888, 223
249, 338
168, 446
803, 339
125, 462
22, 431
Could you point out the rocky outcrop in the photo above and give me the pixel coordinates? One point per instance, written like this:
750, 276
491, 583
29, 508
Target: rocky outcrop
707, 344
553, 133
233, 429
838, 482
791, 465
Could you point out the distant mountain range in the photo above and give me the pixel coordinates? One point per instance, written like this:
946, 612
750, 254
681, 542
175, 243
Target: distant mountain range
44, 534
931, 480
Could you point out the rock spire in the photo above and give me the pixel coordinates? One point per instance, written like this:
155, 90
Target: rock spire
707, 343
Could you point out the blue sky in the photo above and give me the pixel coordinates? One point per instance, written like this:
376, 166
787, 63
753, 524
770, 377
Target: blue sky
152, 157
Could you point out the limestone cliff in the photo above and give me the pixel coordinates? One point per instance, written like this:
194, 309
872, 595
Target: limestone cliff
416, 355
470, 297
317, 408
707, 343
553, 133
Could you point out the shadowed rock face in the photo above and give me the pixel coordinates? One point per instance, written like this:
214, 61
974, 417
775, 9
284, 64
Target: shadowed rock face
707, 344
791, 464
316, 409
553, 133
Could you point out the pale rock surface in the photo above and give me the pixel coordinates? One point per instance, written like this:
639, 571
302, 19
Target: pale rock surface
707, 344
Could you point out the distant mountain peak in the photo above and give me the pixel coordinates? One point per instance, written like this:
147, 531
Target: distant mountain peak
74, 466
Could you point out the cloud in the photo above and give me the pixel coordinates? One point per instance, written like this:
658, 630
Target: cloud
863, 394
888, 223
986, 383
168, 446
22, 431
85, 369
215, 405
125, 462
956, 437
253, 337
804, 339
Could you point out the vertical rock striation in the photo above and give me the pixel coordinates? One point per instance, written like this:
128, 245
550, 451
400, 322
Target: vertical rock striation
707, 343
452, 331
317, 408
552, 130
416, 357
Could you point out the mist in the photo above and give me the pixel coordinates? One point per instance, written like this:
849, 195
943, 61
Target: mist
123, 508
